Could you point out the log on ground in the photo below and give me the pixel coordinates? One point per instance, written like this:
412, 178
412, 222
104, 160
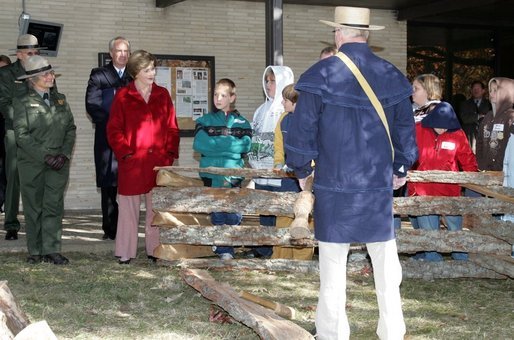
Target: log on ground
14, 318
426, 270
411, 269
265, 323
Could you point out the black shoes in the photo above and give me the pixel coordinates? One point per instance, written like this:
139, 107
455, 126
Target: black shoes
108, 237
11, 235
56, 258
34, 259
124, 261
152, 259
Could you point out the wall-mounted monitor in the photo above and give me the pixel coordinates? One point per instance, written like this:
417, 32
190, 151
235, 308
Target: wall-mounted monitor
47, 33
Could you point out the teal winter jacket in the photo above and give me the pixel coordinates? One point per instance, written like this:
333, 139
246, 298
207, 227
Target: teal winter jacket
222, 140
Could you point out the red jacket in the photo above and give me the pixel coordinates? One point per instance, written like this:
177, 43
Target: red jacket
449, 151
146, 131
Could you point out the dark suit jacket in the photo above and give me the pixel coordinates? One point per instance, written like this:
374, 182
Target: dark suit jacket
101, 88
469, 116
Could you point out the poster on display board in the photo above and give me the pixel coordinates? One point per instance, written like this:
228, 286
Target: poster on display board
190, 82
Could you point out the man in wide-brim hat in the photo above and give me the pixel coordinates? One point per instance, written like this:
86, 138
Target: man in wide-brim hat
27, 46
360, 158
45, 132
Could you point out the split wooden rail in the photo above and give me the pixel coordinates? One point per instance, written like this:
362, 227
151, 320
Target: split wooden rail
182, 198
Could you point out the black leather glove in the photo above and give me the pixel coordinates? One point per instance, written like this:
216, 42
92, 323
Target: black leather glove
60, 161
50, 160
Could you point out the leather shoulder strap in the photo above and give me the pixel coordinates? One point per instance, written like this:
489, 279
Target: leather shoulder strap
369, 92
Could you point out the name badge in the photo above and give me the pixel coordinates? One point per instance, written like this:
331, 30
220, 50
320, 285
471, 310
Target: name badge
448, 146
498, 127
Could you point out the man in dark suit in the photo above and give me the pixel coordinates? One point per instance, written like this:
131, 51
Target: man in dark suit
473, 110
102, 85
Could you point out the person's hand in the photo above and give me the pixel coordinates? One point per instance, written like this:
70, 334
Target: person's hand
60, 160
399, 182
250, 185
50, 160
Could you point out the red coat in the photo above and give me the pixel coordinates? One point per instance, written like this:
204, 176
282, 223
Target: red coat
449, 151
147, 131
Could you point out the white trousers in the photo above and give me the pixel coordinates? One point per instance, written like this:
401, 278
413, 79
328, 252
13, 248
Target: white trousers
331, 319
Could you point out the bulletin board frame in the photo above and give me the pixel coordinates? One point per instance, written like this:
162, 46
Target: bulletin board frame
201, 101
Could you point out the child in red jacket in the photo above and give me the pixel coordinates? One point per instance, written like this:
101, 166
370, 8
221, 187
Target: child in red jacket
442, 145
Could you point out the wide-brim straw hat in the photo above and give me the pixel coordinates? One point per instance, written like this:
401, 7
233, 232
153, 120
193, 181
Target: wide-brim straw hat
27, 41
34, 66
352, 17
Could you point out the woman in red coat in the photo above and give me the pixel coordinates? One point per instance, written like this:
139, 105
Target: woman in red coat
442, 145
143, 133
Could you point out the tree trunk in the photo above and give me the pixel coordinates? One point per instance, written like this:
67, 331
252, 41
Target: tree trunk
14, 319
264, 322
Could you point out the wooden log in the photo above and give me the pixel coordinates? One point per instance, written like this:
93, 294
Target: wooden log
481, 178
408, 240
259, 202
242, 172
264, 322
503, 265
502, 193
412, 269
38, 330
269, 265
207, 200
15, 320
5, 332
181, 251
488, 225
426, 205
302, 208
438, 176
413, 240
450, 269
233, 236
280, 309
172, 179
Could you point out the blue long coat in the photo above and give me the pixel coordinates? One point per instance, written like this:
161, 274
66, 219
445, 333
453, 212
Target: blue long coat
335, 124
102, 85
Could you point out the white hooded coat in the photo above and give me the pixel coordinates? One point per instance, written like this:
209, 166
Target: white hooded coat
265, 120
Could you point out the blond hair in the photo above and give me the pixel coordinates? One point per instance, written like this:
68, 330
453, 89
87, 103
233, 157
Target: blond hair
290, 93
431, 84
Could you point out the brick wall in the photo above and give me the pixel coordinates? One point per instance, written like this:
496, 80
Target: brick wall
231, 31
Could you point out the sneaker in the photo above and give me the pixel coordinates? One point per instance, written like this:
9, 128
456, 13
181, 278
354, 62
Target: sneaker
226, 256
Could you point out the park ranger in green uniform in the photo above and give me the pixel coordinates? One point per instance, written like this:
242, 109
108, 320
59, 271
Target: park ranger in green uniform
11, 87
45, 134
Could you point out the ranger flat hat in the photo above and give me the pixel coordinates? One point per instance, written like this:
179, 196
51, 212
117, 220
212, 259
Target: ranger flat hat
352, 17
34, 66
27, 41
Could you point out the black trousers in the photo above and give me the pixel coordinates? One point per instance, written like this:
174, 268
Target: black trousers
109, 211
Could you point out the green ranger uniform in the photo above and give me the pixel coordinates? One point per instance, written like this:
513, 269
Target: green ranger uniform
41, 130
10, 88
